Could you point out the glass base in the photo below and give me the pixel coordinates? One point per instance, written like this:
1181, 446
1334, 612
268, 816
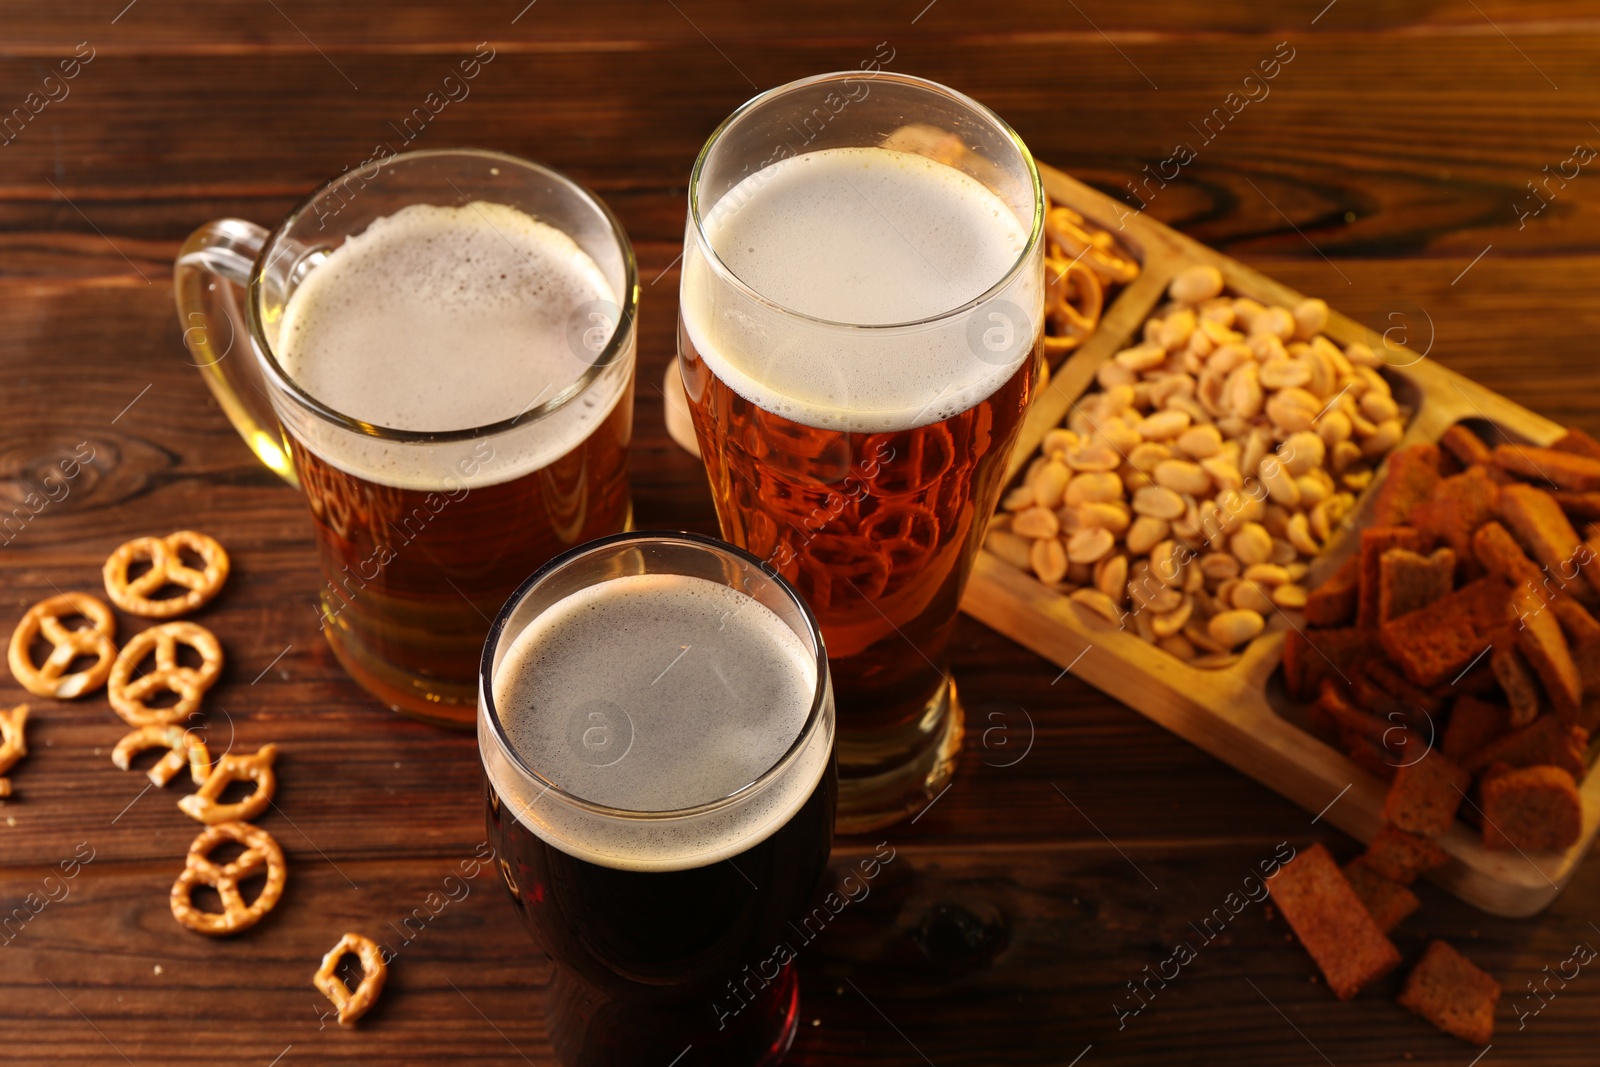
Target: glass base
872, 800
417, 698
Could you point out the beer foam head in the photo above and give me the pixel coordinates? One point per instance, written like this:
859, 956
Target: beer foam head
656, 693
441, 318
869, 237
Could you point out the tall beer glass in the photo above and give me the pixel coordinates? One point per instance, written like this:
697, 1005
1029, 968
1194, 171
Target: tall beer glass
860, 321
439, 348
656, 727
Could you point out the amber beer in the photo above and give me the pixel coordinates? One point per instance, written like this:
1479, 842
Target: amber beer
859, 336
444, 343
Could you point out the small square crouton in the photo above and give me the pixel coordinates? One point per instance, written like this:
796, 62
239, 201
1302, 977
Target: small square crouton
1583, 640
1400, 856
1435, 644
1538, 523
1473, 724
1446, 989
1387, 902
1425, 795
1578, 443
1333, 603
1540, 638
1530, 808
1413, 475
1517, 682
1582, 506
1462, 503
1500, 555
1374, 543
1564, 470
1310, 656
1408, 580
1331, 922
1546, 740
1466, 446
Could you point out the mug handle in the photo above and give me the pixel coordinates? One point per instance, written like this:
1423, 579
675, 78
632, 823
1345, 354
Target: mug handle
211, 281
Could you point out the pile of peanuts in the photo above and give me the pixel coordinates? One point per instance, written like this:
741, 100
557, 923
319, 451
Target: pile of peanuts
1218, 456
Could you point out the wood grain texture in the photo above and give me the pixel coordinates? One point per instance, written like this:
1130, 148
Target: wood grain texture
1396, 144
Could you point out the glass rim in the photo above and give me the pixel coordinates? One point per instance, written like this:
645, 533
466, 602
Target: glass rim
700, 542
727, 274
615, 347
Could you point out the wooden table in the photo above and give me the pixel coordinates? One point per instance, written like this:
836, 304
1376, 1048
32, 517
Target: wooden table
1385, 169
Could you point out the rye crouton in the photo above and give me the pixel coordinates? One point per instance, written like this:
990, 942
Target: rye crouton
1435, 644
1312, 655
1425, 795
1546, 740
1331, 922
1446, 989
1537, 521
1578, 443
1517, 682
1400, 856
1583, 640
1540, 638
1374, 543
1564, 470
1466, 446
1462, 503
1413, 475
1473, 724
1333, 603
1409, 580
1530, 808
1387, 902
1583, 506
1501, 556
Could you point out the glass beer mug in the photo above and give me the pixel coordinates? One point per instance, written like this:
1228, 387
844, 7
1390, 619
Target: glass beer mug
438, 348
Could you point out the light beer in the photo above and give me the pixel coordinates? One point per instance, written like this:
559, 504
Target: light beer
661, 797
854, 427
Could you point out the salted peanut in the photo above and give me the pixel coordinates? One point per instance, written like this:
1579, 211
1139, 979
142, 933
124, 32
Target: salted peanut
1283, 553
1193, 581
1145, 456
1195, 352
1233, 628
1158, 502
1093, 487
1267, 574
1142, 357
1166, 564
1266, 348
1013, 549
1018, 498
1274, 321
1297, 570
1302, 452
1224, 470
1251, 544
1099, 603
1036, 522
1176, 329
1275, 517
1249, 596
1050, 483
1297, 532
1113, 517
1148, 592
1200, 442
1119, 434
1245, 311
1361, 355
1241, 393
1195, 284
1217, 332
1145, 532
1224, 593
1177, 645
1113, 373
1289, 595
1292, 410
1344, 454
1151, 332
1280, 372
1379, 407
1171, 623
1334, 427
1219, 566
1357, 480
1144, 628
1135, 480
1218, 309
1182, 476
1058, 442
1189, 406
1111, 576
1198, 633
1089, 545
1228, 357
1310, 318
1256, 445
1384, 438
1280, 484
1163, 425
1167, 387
1313, 490
1117, 399
1096, 456
1376, 382
1048, 558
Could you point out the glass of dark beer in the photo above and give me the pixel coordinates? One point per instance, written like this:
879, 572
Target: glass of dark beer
860, 320
438, 348
656, 727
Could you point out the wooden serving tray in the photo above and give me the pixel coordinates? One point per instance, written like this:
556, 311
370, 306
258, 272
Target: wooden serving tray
1240, 714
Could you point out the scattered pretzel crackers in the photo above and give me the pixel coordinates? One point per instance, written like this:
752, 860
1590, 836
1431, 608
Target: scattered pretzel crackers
13, 742
183, 747
129, 695
167, 568
261, 851
352, 1006
45, 618
1081, 265
206, 804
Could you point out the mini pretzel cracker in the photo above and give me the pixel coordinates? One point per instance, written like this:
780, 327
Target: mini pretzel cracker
13, 744
205, 804
50, 679
166, 568
1096, 247
128, 694
260, 850
184, 747
352, 1006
